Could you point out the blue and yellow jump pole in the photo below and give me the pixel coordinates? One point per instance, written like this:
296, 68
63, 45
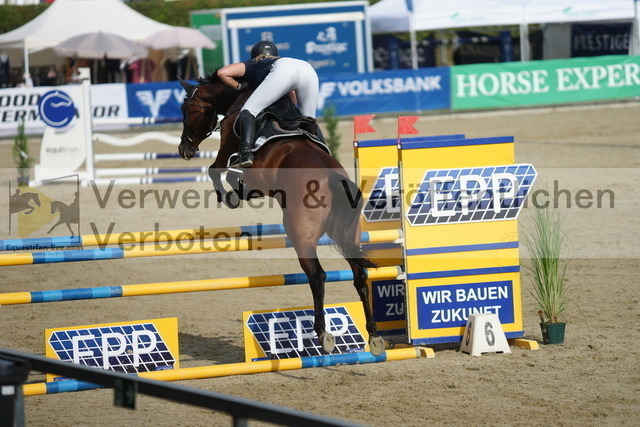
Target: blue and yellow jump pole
175, 248
186, 286
154, 236
242, 368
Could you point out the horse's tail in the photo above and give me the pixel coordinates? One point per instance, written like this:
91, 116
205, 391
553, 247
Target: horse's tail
343, 222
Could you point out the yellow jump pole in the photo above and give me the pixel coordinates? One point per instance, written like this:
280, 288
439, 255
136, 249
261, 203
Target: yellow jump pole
243, 368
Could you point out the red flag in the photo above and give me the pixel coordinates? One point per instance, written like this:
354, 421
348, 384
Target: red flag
361, 124
405, 125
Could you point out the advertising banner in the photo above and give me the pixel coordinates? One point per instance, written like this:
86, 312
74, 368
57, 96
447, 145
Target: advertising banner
108, 102
386, 91
288, 333
332, 37
328, 47
600, 39
127, 347
158, 100
514, 84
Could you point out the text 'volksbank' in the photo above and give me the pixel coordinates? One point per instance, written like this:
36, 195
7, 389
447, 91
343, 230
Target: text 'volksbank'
396, 85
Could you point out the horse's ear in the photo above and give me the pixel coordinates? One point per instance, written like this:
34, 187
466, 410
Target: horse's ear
186, 85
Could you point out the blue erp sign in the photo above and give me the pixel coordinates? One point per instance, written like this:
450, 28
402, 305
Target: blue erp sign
489, 193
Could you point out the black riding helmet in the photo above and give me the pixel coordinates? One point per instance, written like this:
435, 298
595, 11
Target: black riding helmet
264, 47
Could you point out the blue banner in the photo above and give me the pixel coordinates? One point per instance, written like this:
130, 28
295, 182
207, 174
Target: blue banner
388, 300
158, 100
450, 306
386, 91
332, 37
329, 48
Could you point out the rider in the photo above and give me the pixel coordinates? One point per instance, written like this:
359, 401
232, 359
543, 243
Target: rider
273, 77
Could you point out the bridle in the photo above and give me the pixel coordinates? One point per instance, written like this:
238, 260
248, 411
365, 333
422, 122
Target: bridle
210, 115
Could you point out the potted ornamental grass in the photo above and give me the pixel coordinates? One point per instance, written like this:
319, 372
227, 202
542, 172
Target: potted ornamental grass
21, 155
331, 122
546, 241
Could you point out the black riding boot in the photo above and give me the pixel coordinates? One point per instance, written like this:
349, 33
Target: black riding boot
247, 135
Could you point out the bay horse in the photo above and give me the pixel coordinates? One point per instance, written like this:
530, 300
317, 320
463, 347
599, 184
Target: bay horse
312, 188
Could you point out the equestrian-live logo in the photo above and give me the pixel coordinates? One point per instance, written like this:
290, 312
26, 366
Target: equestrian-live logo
33, 210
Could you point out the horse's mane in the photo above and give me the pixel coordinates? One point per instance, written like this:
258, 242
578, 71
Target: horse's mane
213, 78
210, 78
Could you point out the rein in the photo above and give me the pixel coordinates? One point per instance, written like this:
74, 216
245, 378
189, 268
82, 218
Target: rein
210, 114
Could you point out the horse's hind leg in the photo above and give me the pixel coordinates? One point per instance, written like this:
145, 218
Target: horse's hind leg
308, 259
317, 276
376, 342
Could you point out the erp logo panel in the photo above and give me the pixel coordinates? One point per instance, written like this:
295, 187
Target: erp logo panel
450, 306
384, 201
490, 193
126, 347
290, 334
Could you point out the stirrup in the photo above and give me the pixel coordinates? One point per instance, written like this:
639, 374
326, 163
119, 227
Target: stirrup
246, 160
234, 164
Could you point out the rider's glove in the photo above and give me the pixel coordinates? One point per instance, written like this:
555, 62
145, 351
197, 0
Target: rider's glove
242, 86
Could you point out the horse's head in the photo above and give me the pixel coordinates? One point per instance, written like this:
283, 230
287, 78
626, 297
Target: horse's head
200, 109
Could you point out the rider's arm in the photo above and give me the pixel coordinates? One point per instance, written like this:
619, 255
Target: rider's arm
231, 72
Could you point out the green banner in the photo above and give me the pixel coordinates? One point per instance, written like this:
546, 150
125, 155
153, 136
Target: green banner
513, 84
208, 21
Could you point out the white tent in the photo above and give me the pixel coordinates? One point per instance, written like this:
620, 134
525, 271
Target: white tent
68, 18
421, 15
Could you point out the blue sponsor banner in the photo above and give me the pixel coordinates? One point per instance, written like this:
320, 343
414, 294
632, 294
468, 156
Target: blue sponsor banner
349, 93
158, 100
388, 300
450, 306
329, 48
386, 91
332, 37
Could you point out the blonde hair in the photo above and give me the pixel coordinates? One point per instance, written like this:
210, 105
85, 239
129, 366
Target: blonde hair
263, 56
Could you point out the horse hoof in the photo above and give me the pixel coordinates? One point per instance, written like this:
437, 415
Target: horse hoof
376, 345
328, 342
232, 200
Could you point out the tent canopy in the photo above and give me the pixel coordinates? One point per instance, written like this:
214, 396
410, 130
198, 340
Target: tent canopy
68, 18
421, 15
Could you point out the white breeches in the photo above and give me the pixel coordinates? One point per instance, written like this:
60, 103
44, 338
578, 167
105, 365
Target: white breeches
287, 74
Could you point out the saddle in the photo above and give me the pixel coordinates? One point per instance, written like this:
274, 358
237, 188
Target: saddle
280, 120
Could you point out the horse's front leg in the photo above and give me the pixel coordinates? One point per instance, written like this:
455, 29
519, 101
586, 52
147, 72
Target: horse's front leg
70, 230
228, 198
54, 226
